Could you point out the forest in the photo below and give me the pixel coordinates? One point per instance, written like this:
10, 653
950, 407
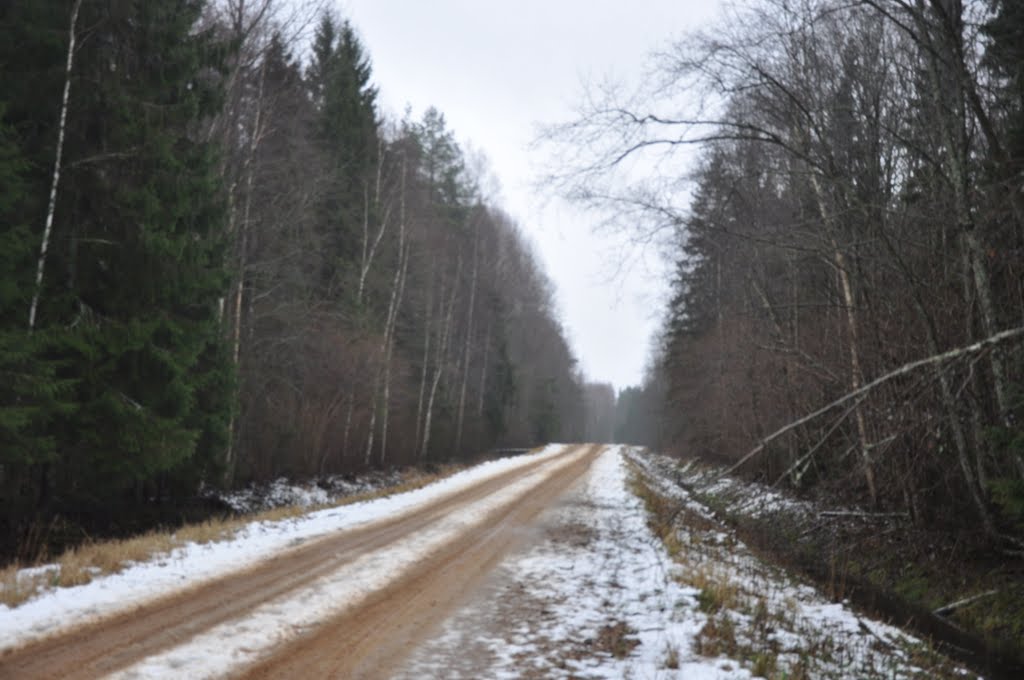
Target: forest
847, 302
221, 262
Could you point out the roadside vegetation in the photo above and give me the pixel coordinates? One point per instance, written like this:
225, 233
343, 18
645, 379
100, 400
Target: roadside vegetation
23, 580
837, 188
221, 262
762, 617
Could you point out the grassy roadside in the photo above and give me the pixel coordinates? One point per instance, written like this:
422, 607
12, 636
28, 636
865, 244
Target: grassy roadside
886, 565
20, 582
756, 614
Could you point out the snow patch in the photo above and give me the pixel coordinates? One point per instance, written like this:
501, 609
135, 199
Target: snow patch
322, 491
60, 609
599, 568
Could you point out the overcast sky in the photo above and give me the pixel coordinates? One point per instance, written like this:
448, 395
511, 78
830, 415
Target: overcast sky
496, 70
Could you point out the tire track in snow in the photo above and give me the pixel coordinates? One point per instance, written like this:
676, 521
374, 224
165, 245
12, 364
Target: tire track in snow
156, 628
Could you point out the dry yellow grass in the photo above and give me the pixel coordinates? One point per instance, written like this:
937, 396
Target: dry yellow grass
742, 622
16, 589
83, 563
212, 530
717, 637
671, 658
717, 591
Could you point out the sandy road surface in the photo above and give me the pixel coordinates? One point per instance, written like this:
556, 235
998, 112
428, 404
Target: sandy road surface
360, 642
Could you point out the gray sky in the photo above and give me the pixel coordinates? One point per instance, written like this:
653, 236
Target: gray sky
496, 70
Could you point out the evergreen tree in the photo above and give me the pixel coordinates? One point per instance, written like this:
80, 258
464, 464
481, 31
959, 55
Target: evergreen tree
1005, 56
324, 40
348, 132
149, 261
129, 304
349, 113
443, 164
30, 393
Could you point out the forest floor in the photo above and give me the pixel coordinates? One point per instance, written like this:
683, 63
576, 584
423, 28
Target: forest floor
562, 563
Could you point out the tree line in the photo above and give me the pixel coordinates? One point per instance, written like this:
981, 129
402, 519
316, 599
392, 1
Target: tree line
220, 262
851, 229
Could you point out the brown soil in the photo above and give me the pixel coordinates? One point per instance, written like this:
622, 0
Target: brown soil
373, 639
363, 642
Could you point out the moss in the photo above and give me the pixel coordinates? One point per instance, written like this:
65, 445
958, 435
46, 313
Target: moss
999, 618
914, 585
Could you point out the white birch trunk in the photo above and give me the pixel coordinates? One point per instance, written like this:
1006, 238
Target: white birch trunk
459, 420
383, 373
404, 248
386, 402
57, 159
428, 331
243, 262
370, 246
856, 374
442, 349
483, 373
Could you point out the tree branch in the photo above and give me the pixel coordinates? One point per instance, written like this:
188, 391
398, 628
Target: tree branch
981, 345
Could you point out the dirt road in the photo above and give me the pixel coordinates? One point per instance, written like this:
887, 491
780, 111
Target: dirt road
364, 640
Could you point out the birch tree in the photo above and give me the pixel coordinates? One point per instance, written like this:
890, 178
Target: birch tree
58, 156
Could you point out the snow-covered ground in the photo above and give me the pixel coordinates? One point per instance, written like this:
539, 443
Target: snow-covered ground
598, 596
592, 594
749, 499
321, 491
63, 608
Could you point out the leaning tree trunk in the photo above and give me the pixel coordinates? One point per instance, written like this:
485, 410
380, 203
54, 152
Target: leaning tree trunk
949, 402
856, 373
243, 256
468, 344
427, 333
404, 249
386, 399
58, 155
439, 360
383, 372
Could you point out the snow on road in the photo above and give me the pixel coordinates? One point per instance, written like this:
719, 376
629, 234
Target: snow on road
556, 609
64, 608
592, 594
218, 651
598, 596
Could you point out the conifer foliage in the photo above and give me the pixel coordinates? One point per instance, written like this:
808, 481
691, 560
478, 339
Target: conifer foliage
248, 269
133, 387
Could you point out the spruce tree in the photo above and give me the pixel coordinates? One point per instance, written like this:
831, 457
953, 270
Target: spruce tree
1005, 57
31, 395
129, 306
348, 132
149, 265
